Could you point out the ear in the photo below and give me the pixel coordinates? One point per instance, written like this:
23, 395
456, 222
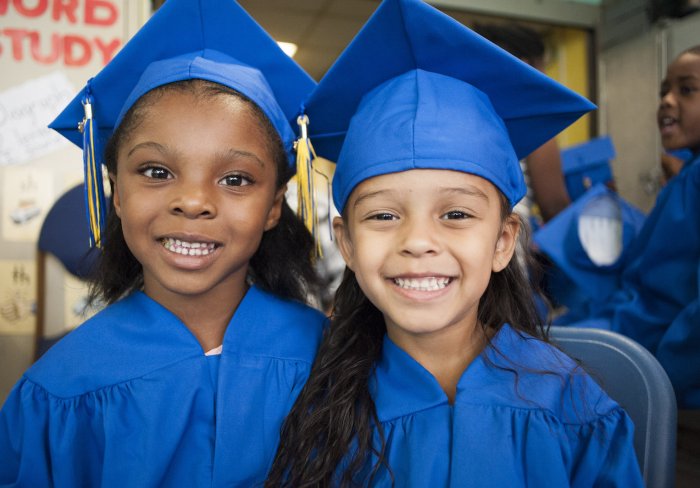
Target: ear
506, 243
342, 237
115, 195
273, 216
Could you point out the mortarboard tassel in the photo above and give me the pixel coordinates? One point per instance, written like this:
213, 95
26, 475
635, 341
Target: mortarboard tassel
94, 189
306, 208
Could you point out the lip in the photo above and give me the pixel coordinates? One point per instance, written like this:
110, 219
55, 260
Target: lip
210, 250
667, 124
421, 287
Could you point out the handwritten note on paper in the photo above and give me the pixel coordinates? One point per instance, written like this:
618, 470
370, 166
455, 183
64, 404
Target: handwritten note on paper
25, 112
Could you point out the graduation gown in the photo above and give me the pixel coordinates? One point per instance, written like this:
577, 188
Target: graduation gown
554, 428
658, 304
576, 281
130, 399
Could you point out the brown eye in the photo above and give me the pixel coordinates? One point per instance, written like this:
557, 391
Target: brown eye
456, 215
235, 180
157, 173
382, 216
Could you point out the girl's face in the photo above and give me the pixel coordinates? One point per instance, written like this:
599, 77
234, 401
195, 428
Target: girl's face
679, 110
195, 190
423, 244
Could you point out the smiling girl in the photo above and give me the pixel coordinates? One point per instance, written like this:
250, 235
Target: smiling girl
185, 378
435, 370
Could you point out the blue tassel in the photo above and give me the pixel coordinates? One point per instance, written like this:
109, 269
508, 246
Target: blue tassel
92, 165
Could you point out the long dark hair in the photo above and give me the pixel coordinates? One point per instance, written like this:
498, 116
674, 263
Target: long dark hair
333, 418
283, 262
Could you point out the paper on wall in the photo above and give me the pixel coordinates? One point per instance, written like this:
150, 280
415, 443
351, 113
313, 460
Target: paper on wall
25, 112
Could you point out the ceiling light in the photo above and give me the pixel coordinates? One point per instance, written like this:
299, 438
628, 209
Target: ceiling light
289, 48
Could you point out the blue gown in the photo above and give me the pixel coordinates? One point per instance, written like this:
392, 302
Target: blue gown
130, 400
658, 304
555, 429
576, 281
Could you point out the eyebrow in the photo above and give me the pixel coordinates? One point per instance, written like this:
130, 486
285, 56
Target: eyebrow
237, 153
372, 194
230, 154
147, 145
467, 190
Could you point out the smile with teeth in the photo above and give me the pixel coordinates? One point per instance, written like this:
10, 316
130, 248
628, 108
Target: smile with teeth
188, 248
667, 121
423, 284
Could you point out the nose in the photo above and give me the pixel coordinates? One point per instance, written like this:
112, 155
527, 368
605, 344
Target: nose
193, 200
667, 99
419, 237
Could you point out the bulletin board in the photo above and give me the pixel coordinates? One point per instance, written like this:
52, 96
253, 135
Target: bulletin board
48, 50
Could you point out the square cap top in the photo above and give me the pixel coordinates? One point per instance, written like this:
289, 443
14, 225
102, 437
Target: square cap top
417, 89
214, 40
579, 157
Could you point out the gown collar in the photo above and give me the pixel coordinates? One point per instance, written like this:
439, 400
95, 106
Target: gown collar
402, 386
137, 335
170, 325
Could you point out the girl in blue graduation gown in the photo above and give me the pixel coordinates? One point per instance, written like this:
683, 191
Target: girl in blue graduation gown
184, 379
658, 302
435, 371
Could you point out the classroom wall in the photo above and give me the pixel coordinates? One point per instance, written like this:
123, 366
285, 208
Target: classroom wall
630, 73
569, 62
48, 50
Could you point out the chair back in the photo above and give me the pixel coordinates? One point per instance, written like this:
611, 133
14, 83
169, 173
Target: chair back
632, 377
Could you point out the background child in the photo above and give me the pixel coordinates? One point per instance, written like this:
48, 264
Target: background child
435, 371
658, 303
185, 378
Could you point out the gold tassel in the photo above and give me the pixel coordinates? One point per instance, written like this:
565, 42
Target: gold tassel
94, 189
306, 207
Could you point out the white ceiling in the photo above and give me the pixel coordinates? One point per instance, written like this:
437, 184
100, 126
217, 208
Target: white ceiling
322, 28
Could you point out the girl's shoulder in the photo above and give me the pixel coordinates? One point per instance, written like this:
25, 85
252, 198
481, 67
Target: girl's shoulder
136, 336
123, 341
277, 327
528, 373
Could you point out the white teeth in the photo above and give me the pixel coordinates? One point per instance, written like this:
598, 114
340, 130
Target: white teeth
188, 248
422, 284
666, 121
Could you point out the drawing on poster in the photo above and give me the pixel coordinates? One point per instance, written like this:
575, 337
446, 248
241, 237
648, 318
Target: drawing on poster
27, 194
25, 113
17, 297
76, 306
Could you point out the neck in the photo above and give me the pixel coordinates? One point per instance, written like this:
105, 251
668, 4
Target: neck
447, 355
206, 316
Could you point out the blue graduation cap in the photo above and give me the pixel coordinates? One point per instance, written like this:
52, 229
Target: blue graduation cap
213, 40
586, 164
417, 89
588, 241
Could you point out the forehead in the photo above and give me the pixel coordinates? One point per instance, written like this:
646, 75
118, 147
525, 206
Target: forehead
429, 182
686, 65
173, 104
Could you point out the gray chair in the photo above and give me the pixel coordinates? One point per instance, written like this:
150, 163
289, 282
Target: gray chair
633, 377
